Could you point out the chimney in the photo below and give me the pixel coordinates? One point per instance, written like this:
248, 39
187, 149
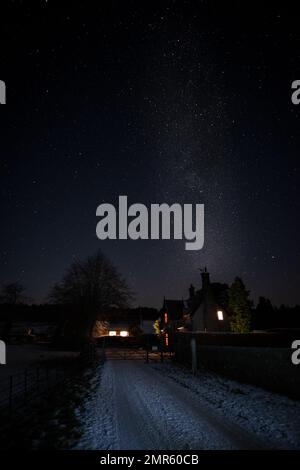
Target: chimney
191, 291
205, 280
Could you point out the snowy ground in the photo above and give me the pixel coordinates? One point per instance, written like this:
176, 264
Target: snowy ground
134, 405
20, 357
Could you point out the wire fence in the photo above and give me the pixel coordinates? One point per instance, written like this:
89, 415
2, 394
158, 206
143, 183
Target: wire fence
22, 388
18, 390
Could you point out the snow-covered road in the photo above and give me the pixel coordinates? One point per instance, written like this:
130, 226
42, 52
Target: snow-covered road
145, 406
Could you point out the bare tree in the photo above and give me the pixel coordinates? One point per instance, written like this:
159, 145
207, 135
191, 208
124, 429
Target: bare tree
91, 286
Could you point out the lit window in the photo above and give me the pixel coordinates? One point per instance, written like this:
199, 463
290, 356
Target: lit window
220, 315
167, 340
112, 333
166, 318
124, 333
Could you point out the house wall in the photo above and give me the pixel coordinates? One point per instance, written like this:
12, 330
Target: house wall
212, 323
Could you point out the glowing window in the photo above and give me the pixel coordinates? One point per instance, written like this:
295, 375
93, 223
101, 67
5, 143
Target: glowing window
166, 318
112, 333
220, 315
124, 333
167, 339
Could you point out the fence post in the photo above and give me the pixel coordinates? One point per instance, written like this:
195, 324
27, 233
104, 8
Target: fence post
37, 378
47, 376
194, 355
25, 385
161, 356
10, 395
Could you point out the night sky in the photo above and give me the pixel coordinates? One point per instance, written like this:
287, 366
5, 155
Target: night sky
183, 102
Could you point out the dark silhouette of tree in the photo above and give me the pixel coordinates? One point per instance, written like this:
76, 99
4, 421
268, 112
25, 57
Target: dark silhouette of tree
13, 293
265, 314
239, 307
91, 287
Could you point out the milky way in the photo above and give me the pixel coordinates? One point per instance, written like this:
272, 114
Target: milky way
178, 103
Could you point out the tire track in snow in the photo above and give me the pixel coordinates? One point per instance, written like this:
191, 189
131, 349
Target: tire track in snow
136, 407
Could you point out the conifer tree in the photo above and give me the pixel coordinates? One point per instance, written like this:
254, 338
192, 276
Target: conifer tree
239, 306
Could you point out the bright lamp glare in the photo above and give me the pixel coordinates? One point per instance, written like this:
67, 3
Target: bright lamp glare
124, 333
112, 333
220, 315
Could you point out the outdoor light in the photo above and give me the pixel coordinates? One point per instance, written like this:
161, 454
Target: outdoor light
124, 333
112, 333
220, 315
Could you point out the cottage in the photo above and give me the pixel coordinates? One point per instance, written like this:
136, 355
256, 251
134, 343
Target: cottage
107, 328
171, 319
126, 322
206, 311
119, 329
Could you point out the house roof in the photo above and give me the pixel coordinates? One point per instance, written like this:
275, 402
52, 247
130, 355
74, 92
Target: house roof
194, 302
216, 291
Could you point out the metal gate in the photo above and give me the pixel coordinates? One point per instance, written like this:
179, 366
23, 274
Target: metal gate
111, 354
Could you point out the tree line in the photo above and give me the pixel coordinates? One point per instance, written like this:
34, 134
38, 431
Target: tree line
92, 287
244, 316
